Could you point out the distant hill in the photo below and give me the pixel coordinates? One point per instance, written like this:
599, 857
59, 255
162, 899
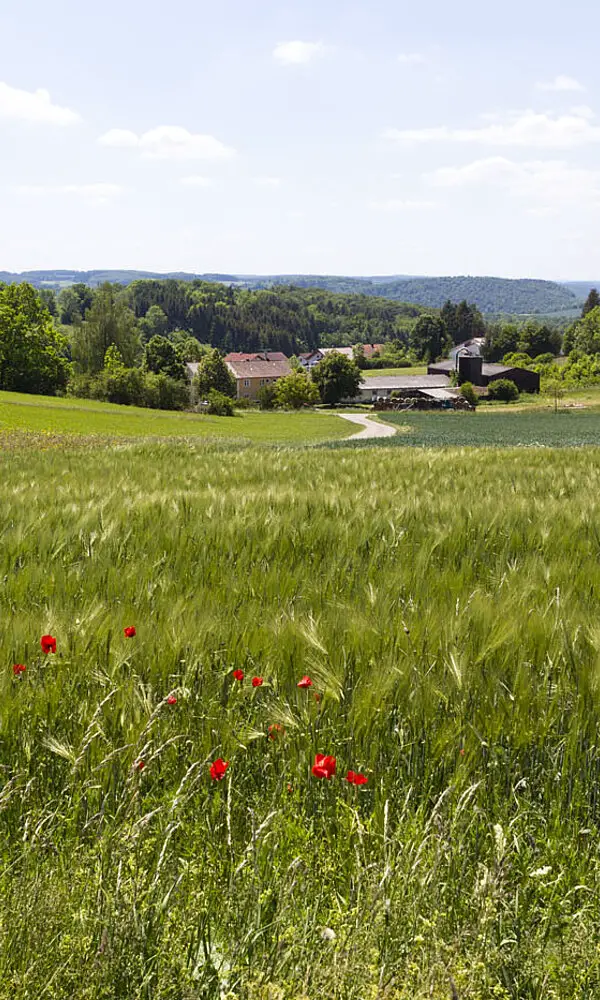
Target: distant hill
581, 289
520, 296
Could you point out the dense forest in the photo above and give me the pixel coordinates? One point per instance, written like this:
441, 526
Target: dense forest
492, 296
284, 319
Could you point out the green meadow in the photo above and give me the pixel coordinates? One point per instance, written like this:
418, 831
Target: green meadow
58, 416
444, 603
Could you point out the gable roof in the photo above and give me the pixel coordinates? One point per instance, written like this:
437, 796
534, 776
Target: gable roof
405, 382
256, 356
259, 368
346, 351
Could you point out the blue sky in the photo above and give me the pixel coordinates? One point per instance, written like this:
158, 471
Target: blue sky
315, 137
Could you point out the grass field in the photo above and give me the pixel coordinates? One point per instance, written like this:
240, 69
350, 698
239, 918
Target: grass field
445, 605
499, 427
48, 415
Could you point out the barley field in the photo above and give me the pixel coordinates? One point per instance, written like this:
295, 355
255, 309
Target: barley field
164, 832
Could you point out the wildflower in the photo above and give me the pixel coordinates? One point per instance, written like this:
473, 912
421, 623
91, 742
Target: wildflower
139, 765
218, 768
317, 697
257, 682
289, 789
239, 675
305, 682
462, 751
354, 778
323, 767
171, 700
48, 644
274, 730
130, 631
18, 669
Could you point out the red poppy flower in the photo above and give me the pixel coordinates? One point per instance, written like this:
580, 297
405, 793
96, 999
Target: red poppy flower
317, 697
257, 682
462, 751
18, 669
239, 675
305, 682
139, 765
130, 631
218, 768
48, 644
353, 778
274, 730
323, 767
171, 700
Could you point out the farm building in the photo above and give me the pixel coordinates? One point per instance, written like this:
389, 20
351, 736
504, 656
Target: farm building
474, 369
408, 386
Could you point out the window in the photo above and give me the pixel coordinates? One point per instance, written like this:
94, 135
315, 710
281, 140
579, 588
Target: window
247, 383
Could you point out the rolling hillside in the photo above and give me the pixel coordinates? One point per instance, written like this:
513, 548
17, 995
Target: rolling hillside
522, 296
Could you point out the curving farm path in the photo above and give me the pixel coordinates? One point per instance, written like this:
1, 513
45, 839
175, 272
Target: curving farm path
370, 428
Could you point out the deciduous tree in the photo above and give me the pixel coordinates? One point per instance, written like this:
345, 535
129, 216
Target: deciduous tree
336, 378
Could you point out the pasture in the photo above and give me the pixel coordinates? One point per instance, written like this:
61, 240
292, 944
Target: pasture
51, 416
444, 604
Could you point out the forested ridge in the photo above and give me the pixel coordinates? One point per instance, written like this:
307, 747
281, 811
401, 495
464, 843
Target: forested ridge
285, 319
520, 296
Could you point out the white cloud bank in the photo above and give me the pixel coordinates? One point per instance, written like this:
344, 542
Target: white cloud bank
524, 128
33, 106
168, 142
561, 84
297, 53
549, 183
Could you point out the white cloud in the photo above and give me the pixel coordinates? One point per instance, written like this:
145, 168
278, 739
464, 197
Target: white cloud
412, 59
561, 84
268, 182
168, 142
297, 53
545, 184
33, 106
399, 205
96, 193
197, 181
525, 128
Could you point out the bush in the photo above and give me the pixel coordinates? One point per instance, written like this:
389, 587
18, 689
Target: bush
162, 392
266, 396
295, 391
469, 393
503, 389
219, 405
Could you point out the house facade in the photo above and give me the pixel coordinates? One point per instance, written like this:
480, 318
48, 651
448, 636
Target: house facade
253, 373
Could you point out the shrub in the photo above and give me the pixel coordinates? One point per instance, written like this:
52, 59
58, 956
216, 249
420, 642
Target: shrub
161, 392
503, 389
295, 390
219, 405
266, 396
469, 393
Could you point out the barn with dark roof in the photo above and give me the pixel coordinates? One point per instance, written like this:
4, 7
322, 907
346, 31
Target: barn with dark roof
480, 373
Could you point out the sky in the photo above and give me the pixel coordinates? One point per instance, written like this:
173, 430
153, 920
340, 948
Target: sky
359, 137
